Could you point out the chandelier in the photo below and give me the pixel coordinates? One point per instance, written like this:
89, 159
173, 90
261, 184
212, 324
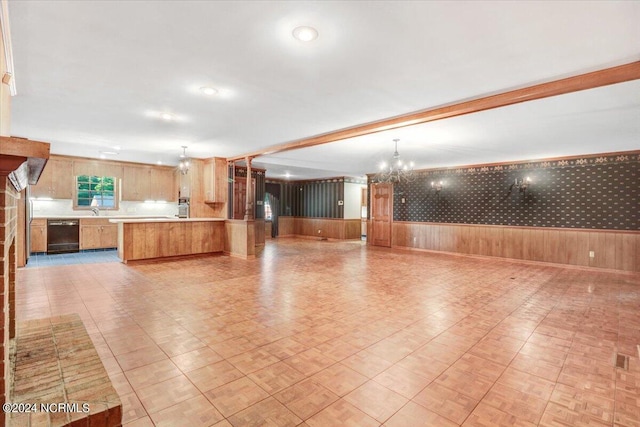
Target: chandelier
185, 163
395, 170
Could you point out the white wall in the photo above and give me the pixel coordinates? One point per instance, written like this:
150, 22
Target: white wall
352, 200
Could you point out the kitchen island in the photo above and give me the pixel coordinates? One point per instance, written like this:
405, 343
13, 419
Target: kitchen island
149, 238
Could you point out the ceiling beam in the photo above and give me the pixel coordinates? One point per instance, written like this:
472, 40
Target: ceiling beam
607, 76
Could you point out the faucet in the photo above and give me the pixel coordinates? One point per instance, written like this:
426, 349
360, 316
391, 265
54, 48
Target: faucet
96, 211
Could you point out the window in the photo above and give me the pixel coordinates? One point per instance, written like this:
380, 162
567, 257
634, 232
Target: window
267, 208
96, 191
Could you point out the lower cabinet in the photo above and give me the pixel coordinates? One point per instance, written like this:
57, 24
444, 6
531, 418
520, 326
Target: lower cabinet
38, 233
98, 234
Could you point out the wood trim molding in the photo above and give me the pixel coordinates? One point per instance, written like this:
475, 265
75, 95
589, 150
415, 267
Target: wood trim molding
8, 51
115, 162
521, 227
552, 162
611, 249
607, 76
10, 146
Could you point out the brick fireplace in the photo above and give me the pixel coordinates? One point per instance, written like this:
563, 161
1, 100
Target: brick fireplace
8, 226
21, 163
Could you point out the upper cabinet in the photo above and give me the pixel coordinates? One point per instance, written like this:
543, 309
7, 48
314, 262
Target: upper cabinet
163, 184
135, 183
140, 183
56, 180
215, 180
97, 168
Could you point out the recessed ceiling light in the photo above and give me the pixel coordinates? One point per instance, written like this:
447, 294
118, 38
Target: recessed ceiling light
110, 153
305, 34
209, 91
159, 162
166, 116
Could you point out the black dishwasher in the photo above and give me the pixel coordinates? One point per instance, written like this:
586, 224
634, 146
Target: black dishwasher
63, 235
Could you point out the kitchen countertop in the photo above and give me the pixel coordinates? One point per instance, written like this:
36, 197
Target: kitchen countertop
162, 219
98, 217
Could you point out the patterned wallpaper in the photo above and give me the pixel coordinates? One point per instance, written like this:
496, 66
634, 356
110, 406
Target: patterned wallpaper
598, 192
316, 199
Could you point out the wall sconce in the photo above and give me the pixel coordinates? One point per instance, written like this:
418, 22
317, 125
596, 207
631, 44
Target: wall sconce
436, 186
522, 184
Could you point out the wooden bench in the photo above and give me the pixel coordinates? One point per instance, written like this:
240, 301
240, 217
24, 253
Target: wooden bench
58, 377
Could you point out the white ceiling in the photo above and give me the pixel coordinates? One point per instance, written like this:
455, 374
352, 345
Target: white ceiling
93, 75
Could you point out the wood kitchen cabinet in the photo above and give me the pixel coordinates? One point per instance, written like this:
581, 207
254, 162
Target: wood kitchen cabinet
215, 180
163, 185
135, 183
56, 180
140, 183
38, 235
98, 234
169, 237
109, 237
97, 168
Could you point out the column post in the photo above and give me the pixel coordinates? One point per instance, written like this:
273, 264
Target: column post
248, 211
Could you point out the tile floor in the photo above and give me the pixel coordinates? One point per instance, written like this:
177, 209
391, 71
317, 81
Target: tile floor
339, 334
84, 257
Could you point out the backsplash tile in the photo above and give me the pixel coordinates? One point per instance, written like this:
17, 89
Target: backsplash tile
64, 207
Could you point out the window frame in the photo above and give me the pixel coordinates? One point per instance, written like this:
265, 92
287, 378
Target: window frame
100, 193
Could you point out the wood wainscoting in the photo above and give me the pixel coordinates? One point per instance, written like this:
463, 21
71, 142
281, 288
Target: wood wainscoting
240, 238
612, 249
330, 228
259, 225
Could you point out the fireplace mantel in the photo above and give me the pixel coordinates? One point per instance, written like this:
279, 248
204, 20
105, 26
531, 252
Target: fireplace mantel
22, 160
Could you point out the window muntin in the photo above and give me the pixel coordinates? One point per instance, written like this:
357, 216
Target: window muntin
96, 191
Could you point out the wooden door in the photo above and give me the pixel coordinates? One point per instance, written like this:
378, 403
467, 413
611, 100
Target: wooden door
381, 214
240, 196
